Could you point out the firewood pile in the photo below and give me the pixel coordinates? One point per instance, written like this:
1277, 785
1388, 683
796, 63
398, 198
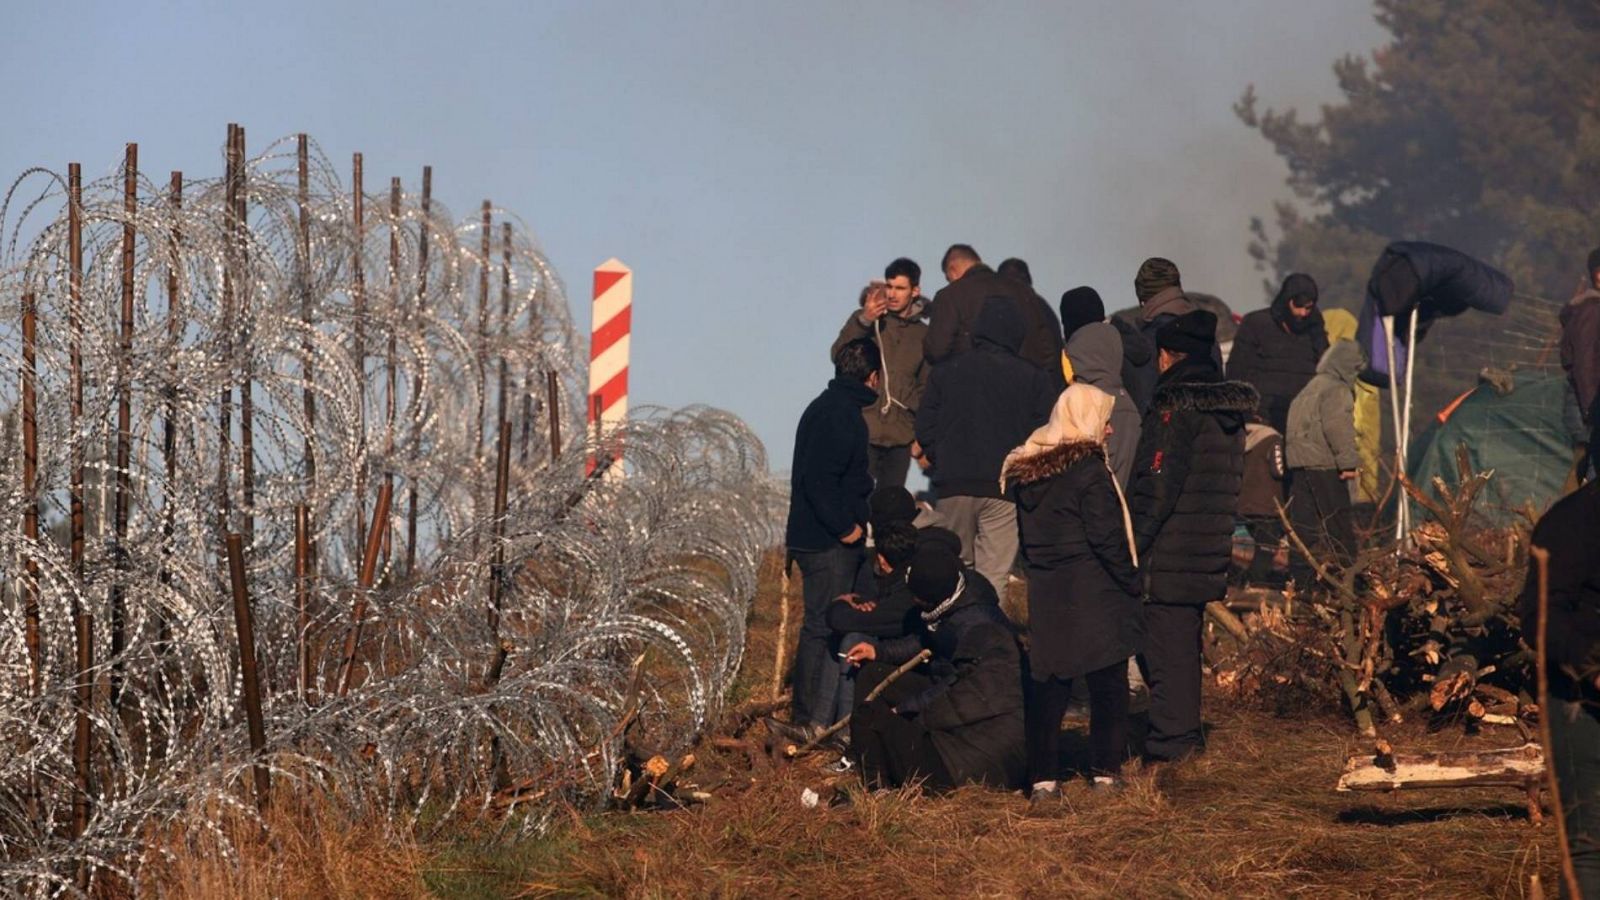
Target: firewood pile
1423, 627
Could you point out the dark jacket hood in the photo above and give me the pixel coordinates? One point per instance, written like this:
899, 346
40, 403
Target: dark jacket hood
1195, 385
999, 323
1095, 351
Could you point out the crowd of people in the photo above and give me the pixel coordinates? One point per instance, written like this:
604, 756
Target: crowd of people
1103, 461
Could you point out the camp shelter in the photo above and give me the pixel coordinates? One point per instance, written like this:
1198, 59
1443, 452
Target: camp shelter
1520, 434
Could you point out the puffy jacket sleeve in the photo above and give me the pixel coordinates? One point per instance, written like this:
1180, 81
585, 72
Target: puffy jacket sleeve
1338, 413
1246, 352
1102, 525
928, 414
829, 454
853, 330
1159, 473
898, 650
940, 340
987, 682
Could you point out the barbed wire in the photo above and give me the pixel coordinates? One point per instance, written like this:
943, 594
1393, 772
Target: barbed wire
371, 354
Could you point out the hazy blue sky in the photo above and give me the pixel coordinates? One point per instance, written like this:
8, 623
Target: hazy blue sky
754, 163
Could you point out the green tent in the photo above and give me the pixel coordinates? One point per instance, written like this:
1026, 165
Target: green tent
1521, 435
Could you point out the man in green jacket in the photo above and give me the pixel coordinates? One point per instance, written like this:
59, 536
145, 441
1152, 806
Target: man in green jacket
891, 315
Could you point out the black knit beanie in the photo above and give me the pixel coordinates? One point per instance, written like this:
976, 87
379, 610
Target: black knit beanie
1193, 333
889, 505
1155, 275
1079, 307
933, 573
933, 535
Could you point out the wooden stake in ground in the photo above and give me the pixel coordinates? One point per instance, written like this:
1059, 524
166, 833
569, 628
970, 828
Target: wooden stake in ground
1541, 559
783, 632
835, 728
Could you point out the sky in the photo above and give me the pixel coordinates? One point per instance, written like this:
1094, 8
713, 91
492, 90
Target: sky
755, 163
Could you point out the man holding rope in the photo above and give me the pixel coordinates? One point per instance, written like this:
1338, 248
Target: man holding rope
891, 316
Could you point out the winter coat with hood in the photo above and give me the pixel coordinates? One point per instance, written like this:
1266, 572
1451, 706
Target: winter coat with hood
829, 482
1278, 360
980, 404
1580, 348
1137, 353
1096, 353
1153, 315
1076, 537
974, 705
953, 319
1322, 420
891, 422
1186, 480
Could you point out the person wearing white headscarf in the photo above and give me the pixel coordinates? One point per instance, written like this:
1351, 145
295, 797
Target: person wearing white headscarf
1084, 613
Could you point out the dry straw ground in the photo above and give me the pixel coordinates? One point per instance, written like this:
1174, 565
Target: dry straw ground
1255, 817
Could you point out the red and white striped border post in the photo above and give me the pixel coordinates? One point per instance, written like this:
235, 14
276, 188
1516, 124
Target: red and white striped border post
608, 353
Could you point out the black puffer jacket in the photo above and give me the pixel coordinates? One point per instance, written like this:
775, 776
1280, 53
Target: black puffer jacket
1275, 360
1186, 482
980, 404
974, 706
1083, 590
829, 481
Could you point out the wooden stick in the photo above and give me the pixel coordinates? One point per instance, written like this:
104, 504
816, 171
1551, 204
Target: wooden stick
1516, 767
364, 579
783, 632
245, 626
1541, 559
835, 728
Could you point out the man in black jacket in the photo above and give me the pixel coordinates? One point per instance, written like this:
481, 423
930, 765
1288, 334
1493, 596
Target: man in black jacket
960, 718
1572, 634
978, 406
1277, 348
953, 317
1185, 491
828, 490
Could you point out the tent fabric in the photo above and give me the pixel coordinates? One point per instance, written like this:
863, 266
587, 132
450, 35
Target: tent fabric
1428, 281
1520, 435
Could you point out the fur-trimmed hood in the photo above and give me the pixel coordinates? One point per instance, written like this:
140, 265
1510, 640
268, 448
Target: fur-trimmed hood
1052, 462
1206, 396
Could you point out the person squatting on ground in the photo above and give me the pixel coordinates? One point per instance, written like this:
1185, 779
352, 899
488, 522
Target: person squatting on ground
1084, 615
1324, 460
1277, 349
953, 317
959, 719
891, 315
978, 405
1580, 357
1095, 352
886, 613
827, 520
1183, 499
1567, 532
1260, 493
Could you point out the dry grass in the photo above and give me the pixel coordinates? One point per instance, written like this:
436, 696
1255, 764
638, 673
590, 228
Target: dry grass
1255, 817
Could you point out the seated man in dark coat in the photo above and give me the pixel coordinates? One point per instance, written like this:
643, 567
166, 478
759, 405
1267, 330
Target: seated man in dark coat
959, 720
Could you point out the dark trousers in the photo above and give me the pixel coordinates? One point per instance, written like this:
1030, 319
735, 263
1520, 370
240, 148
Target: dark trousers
1266, 532
826, 574
1108, 722
1575, 752
1171, 666
892, 749
888, 465
1319, 509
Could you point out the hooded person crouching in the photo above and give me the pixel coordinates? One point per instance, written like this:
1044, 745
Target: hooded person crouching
1084, 614
959, 718
1184, 496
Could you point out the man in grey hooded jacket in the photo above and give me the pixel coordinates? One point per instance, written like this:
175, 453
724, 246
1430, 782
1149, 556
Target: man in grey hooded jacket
1095, 351
1320, 447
